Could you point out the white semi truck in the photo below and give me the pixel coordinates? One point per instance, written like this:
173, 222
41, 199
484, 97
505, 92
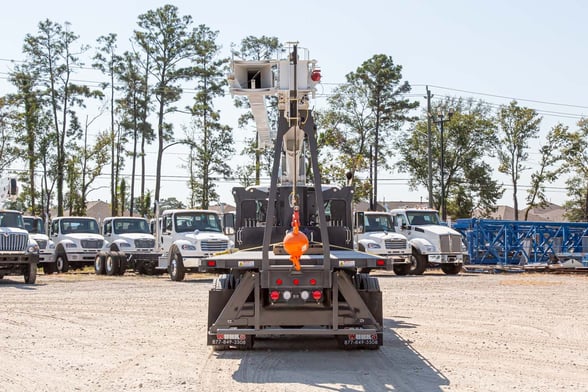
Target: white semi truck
77, 241
433, 243
128, 244
186, 238
19, 253
36, 227
375, 234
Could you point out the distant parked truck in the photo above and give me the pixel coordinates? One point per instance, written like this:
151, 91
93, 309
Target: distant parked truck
36, 227
19, 253
77, 241
186, 237
128, 244
433, 243
375, 234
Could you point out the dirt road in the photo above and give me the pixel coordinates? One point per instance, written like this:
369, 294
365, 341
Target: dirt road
471, 332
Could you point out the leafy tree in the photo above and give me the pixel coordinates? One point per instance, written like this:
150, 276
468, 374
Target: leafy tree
106, 60
517, 126
51, 55
7, 153
212, 142
132, 107
165, 38
468, 140
361, 119
573, 148
548, 170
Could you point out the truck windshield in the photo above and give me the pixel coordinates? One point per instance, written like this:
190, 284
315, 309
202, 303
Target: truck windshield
381, 222
11, 219
417, 218
122, 226
74, 225
191, 221
33, 225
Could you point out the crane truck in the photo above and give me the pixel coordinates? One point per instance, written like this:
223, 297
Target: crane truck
294, 271
19, 253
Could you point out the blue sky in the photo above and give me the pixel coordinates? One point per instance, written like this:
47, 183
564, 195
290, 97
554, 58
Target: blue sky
534, 51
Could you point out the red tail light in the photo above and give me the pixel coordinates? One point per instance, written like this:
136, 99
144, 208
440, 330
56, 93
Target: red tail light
380, 263
211, 263
317, 294
274, 295
279, 282
296, 282
313, 282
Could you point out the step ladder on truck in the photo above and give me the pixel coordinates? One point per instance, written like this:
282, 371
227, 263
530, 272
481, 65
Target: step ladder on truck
294, 271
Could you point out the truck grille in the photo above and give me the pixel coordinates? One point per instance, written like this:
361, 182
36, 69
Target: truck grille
450, 243
92, 244
395, 244
145, 243
13, 242
42, 244
214, 246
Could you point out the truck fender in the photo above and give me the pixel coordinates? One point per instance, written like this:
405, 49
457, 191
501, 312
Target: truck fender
178, 245
419, 244
363, 244
62, 245
118, 243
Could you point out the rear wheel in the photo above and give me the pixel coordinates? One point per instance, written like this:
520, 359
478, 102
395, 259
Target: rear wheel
62, 263
122, 263
451, 269
30, 275
100, 264
49, 268
176, 267
111, 264
418, 263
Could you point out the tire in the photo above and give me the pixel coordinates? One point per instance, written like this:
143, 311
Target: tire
49, 268
176, 267
122, 263
100, 264
111, 265
418, 263
451, 269
61, 263
401, 269
30, 275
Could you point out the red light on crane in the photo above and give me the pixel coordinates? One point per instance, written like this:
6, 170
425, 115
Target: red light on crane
315, 76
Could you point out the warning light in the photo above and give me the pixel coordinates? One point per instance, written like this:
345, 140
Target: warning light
296, 281
315, 76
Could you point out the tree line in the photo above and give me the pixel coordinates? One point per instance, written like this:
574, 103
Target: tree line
369, 124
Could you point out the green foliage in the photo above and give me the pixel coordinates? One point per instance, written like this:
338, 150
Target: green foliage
517, 126
211, 142
468, 139
575, 161
360, 121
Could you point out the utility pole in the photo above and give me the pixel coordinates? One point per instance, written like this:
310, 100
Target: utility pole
429, 152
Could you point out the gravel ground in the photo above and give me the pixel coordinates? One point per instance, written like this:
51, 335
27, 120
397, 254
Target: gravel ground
471, 332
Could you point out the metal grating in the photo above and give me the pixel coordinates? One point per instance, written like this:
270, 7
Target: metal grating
145, 243
92, 244
395, 244
13, 242
214, 246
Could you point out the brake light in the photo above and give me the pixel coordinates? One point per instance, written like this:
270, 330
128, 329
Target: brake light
211, 263
296, 282
279, 282
313, 282
380, 263
317, 294
274, 295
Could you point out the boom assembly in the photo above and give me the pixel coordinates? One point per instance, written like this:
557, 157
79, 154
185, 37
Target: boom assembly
295, 271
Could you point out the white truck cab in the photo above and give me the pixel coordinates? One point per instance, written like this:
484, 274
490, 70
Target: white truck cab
77, 241
433, 243
36, 227
19, 253
186, 237
131, 237
375, 234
